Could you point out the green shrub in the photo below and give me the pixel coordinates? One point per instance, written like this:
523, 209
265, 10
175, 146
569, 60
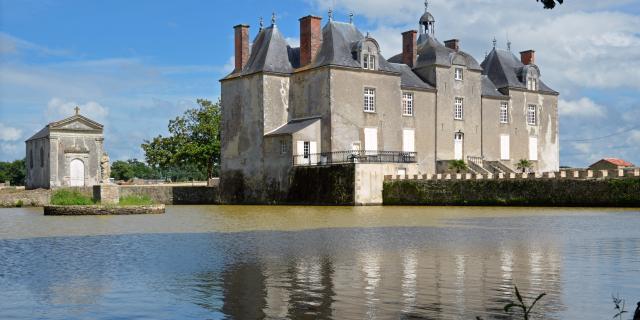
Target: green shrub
134, 200
64, 197
19, 204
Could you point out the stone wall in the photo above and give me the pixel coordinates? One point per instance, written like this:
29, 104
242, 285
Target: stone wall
11, 197
610, 191
325, 185
168, 194
101, 210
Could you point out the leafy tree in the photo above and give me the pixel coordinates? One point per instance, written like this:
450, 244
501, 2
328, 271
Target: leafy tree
14, 172
458, 166
194, 139
524, 165
550, 4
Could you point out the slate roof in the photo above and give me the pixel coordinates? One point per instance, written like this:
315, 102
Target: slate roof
408, 79
269, 53
293, 126
431, 52
503, 68
490, 90
339, 41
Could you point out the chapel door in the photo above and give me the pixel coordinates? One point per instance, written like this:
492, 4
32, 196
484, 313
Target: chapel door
76, 173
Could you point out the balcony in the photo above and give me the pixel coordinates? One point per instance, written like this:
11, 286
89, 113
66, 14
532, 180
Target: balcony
359, 156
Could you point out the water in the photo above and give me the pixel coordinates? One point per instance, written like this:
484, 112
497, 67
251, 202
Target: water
252, 262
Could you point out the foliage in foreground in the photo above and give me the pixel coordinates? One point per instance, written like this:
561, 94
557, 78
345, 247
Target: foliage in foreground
550, 4
458, 166
136, 201
134, 168
64, 197
526, 310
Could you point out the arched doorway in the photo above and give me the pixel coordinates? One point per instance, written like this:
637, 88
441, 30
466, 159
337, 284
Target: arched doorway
76, 173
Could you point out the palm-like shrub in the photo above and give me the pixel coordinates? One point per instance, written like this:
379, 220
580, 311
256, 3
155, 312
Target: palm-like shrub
458, 166
524, 165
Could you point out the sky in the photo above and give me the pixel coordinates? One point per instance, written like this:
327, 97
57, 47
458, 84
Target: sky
134, 65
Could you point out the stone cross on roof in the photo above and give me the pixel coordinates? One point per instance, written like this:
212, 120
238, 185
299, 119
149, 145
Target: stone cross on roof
77, 109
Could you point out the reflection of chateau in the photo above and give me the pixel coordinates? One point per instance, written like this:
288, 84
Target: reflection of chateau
337, 100
65, 153
391, 284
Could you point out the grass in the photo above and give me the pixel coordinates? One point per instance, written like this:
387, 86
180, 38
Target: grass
134, 200
65, 197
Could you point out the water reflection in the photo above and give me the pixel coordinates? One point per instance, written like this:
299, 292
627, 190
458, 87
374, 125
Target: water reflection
328, 273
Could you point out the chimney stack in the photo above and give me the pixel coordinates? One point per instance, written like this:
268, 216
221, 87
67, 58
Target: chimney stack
409, 48
241, 46
310, 38
528, 57
453, 44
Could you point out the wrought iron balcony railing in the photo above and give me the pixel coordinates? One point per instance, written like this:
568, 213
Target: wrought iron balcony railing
358, 156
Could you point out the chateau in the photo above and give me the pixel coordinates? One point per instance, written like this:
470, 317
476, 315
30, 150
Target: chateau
336, 99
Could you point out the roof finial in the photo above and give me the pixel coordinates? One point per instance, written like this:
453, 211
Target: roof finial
508, 42
351, 17
368, 35
495, 42
330, 14
77, 109
426, 5
273, 18
261, 24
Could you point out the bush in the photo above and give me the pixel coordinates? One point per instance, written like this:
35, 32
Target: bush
135, 201
65, 197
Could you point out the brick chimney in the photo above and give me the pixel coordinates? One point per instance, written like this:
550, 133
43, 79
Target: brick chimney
409, 48
241, 46
528, 57
453, 44
310, 38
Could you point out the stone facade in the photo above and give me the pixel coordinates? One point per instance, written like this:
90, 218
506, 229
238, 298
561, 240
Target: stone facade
284, 107
65, 153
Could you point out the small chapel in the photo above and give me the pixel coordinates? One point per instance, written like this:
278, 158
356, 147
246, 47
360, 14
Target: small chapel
66, 153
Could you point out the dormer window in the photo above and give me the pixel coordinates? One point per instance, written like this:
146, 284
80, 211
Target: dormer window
366, 51
532, 84
530, 75
458, 74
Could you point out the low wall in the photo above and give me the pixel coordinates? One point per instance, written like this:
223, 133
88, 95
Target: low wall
618, 192
10, 197
168, 194
101, 210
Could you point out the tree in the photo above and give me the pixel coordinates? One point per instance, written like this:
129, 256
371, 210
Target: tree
524, 165
457, 166
14, 172
132, 168
194, 139
550, 4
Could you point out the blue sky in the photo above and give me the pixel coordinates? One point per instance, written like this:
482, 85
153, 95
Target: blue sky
133, 65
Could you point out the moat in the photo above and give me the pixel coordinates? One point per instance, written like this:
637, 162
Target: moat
253, 262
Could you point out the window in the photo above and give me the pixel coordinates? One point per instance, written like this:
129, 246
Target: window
533, 148
532, 83
41, 157
458, 73
369, 100
31, 158
532, 117
504, 147
408, 140
306, 149
369, 61
407, 104
283, 146
504, 112
458, 109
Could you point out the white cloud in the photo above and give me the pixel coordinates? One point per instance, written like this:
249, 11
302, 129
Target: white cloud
58, 109
583, 107
293, 42
9, 133
12, 45
634, 137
